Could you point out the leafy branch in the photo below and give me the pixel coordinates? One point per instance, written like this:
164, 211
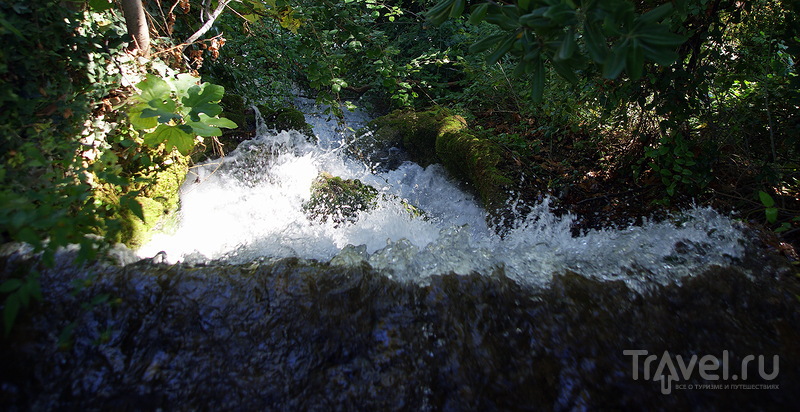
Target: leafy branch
174, 111
614, 36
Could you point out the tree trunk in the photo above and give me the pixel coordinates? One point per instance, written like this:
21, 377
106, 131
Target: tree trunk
136, 21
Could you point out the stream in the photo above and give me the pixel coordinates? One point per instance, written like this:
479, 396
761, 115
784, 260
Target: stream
248, 303
249, 205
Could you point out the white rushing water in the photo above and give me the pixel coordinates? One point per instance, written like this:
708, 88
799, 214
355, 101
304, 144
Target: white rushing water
248, 205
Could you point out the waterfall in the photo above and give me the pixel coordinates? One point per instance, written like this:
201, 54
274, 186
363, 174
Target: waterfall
249, 205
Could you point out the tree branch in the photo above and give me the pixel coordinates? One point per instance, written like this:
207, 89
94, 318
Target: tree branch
207, 25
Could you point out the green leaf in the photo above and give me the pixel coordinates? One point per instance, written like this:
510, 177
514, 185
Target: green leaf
772, 214
560, 13
133, 205
440, 12
634, 61
766, 199
224, 122
485, 43
656, 14
10, 285
171, 136
502, 49
65, 337
565, 71
164, 110
154, 88
204, 99
458, 8
8, 26
503, 20
659, 36
10, 311
34, 288
24, 295
182, 83
137, 121
209, 126
479, 13
595, 43
568, 45
662, 56
614, 64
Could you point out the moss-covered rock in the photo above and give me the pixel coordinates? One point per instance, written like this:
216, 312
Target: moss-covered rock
475, 161
439, 136
159, 201
339, 200
287, 118
414, 132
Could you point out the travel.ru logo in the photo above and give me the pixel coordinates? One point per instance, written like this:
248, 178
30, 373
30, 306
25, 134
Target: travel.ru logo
709, 367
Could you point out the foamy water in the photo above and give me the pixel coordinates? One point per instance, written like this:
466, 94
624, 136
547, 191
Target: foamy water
249, 205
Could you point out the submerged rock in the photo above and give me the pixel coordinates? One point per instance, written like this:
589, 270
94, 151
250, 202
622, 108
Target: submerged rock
302, 335
340, 200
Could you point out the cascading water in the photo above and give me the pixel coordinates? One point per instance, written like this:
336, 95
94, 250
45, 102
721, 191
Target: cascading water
249, 205
304, 324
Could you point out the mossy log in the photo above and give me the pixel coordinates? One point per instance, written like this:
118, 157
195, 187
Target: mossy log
440, 136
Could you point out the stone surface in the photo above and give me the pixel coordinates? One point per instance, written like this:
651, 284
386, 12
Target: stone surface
301, 335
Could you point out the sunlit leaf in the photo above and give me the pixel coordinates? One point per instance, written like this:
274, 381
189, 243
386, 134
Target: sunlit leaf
171, 136
163, 110
182, 83
204, 99
153, 88
137, 121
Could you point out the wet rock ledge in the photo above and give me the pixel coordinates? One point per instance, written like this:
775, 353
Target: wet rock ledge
301, 335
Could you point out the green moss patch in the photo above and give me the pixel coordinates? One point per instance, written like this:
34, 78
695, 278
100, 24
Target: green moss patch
159, 200
339, 200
